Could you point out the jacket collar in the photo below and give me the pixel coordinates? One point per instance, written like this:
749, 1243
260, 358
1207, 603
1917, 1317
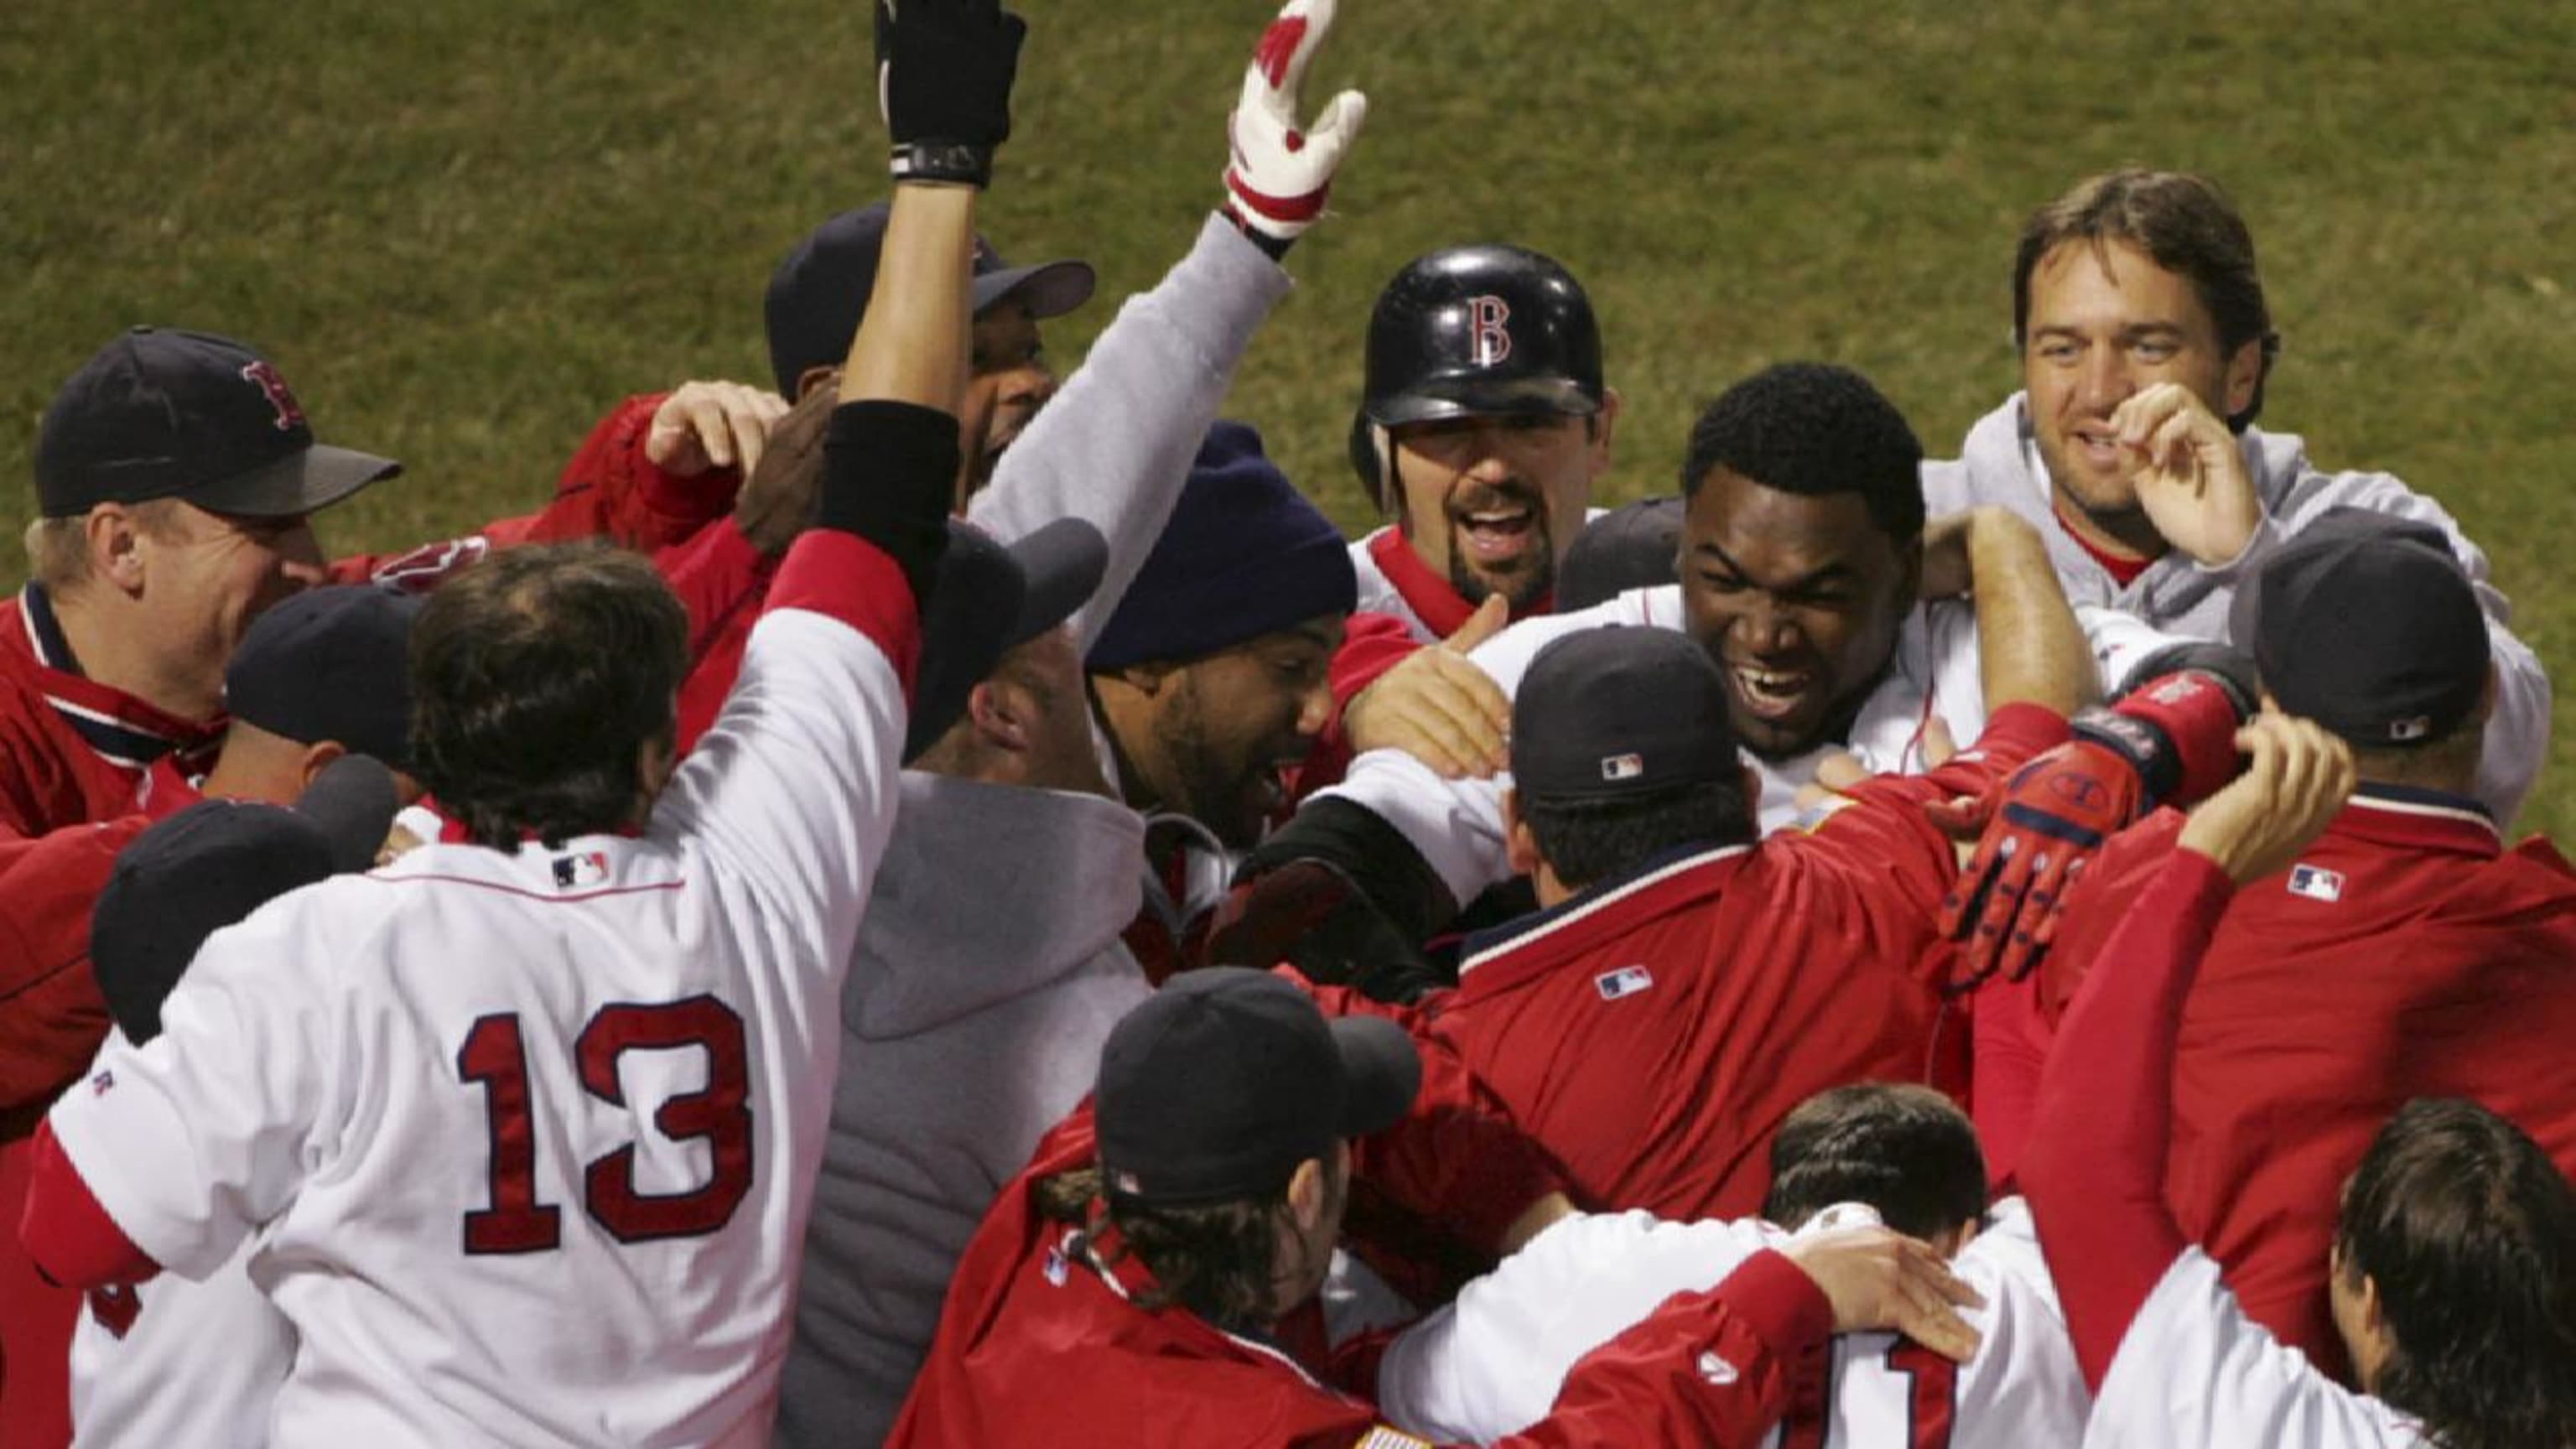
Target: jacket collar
1604, 907
2418, 819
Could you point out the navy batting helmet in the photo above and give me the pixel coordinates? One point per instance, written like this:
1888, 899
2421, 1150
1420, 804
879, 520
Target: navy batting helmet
1474, 331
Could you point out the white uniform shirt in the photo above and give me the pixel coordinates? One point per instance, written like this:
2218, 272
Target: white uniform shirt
1492, 1362
2193, 1369
1458, 824
175, 1362
531, 1137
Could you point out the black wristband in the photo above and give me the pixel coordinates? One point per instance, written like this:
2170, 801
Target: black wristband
943, 161
1274, 247
1375, 855
889, 475
2144, 746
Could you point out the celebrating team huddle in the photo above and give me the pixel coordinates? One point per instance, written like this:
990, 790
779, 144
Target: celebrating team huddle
943, 906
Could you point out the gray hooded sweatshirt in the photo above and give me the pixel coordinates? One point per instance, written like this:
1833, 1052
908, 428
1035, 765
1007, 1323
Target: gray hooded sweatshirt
989, 968
2178, 596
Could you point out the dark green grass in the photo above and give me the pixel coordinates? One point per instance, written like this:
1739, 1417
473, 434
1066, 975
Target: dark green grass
465, 228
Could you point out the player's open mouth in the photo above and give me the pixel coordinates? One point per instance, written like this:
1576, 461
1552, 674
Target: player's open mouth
1769, 694
1495, 535
2097, 445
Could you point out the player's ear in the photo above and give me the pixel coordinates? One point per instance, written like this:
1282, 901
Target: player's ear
1003, 716
1519, 841
1306, 1195
317, 758
115, 536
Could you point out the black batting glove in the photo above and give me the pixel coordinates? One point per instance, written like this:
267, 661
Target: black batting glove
944, 72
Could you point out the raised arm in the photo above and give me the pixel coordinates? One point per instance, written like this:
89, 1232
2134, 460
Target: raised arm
2030, 648
2095, 1169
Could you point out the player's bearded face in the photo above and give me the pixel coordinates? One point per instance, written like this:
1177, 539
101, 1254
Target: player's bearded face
1492, 502
1798, 599
1237, 720
2104, 323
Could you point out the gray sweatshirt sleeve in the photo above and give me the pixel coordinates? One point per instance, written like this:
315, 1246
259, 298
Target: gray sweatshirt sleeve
1114, 447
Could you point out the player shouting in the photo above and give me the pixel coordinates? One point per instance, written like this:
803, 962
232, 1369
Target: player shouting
530, 1123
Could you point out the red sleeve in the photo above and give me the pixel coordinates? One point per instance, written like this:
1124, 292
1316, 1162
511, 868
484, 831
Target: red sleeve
843, 576
69, 1236
2128, 861
2095, 1169
1456, 1160
610, 490
2011, 1049
52, 1017
721, 580
1709, 1368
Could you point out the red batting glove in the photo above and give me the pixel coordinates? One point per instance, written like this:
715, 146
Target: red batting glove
2172, 740
1279, 175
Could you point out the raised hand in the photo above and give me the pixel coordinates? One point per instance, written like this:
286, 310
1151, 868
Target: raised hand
1279, 173
2190, 473
704, 425
944, 73
2299, 777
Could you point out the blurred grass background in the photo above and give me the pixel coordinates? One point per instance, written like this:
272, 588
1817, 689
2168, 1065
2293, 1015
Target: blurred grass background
465, 228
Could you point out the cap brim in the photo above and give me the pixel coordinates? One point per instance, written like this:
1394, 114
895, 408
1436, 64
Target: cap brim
1048, 289
1060, 568
298, 484
353, 803
1525, 397
1381, 1073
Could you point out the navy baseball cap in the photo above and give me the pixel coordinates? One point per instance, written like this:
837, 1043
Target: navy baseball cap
209, 866
1217, 1086
330, 664
1618, 711
1637, 546
820, 290
161, 413
990, 598
2367, 624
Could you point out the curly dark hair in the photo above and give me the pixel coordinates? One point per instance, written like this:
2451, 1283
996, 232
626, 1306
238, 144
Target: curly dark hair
1219, 1261
2187, 226
1814, 429
1902, 1148
538, 677
2469, 1232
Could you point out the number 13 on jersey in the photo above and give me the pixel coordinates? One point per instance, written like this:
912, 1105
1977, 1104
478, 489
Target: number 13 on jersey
495, 1055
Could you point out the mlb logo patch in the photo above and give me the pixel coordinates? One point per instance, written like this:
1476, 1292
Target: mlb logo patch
2316, 883
1622, 767
586, 869
1058, 1267
1626, 981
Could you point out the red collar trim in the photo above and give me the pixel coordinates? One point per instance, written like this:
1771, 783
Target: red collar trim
121, 729
2123, 571
1432, 598
1578, 923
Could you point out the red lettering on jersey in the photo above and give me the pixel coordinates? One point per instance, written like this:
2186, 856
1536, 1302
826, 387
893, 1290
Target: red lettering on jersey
516, 1222
1486, 316
116, 1306
289, 413
1932, 1398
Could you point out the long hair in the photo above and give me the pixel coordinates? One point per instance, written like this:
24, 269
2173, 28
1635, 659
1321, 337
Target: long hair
1220, 1261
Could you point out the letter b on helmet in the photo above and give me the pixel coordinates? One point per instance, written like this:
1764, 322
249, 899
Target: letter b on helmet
1475, 331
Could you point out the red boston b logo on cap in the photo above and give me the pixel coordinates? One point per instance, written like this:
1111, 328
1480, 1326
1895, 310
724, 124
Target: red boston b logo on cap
280, 397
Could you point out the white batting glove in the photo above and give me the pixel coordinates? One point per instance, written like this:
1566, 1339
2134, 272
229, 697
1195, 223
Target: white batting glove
1279, 175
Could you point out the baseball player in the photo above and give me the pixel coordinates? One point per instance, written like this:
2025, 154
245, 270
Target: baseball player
2408, 952
530, 1123
1166, 1244
174, 1362
2453, 1270
2146, 343
1806, 551
1490, 1364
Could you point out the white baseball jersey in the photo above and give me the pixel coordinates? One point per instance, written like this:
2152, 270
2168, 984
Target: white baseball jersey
1491, 1363
531, 1137
175, 1362
1458, 824
2193, 1369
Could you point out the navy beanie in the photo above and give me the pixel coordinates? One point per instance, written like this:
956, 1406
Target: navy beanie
1244, 555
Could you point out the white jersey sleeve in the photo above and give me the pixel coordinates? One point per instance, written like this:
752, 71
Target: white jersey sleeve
2193, 1369
175, 1362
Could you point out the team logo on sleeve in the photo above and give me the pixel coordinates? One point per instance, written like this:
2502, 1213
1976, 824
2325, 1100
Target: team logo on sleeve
1717, 1370
100, 1085
589, 868
1626, 981
2316, 882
